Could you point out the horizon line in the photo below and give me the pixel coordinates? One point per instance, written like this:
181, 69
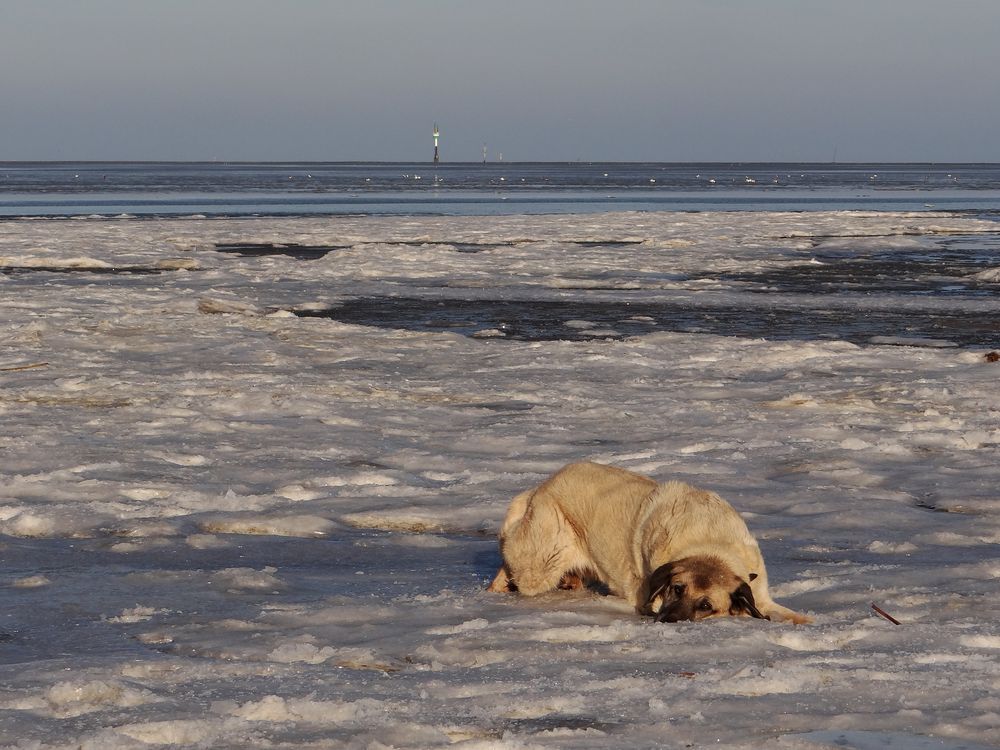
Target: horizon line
445, 164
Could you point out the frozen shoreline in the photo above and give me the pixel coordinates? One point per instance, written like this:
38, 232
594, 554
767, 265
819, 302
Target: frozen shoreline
224, 524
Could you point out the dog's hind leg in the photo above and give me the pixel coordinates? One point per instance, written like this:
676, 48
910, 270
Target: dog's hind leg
502, 584
518, 507
540, 547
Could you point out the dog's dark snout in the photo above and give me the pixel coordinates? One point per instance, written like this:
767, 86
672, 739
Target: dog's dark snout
672, 614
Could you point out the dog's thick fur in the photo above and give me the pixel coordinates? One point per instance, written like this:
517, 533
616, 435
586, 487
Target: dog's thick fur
671, 550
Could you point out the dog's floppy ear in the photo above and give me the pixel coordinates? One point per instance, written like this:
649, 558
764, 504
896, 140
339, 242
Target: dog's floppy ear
741, 600
659, 579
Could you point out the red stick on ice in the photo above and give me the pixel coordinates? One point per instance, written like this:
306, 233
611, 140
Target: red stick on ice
886, 615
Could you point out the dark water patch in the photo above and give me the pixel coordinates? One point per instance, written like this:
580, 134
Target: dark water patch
83, 270
573, 320
310, 178
595, 442
475, 247
504, 406
867, 275
462, 247
472, 247
607, 243
930, 505
315, 252
269, 249
478, 247
557, 723
948, 269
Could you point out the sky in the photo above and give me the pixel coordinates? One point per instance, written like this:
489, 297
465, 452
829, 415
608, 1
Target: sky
539, 80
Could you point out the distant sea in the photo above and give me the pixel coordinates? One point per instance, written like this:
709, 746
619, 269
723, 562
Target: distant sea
216, 189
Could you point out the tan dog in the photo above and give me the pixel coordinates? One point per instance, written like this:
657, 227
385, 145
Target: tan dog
671, 550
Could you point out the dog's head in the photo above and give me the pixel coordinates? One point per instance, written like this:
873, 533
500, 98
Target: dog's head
695, 588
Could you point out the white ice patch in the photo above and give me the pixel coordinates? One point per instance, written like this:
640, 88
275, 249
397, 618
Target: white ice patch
31, 582
206, 541
177, 732
70, 698
135, 614
989, 276
41, 263
180, 459
299, 492
288, 525
585, 633
277, 709
247, 579
308, 653
469, 625
28, 524
981, 641
892, 548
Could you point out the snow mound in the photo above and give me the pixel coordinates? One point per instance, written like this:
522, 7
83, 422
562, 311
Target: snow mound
989, 276
291, 525
276, 708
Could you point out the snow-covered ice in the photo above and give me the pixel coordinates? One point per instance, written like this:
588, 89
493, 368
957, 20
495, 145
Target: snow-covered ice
224, 524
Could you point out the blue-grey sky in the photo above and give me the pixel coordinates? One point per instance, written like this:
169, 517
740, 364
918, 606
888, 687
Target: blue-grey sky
661, 80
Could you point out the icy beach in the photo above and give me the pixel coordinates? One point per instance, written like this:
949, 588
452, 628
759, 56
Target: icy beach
253, 468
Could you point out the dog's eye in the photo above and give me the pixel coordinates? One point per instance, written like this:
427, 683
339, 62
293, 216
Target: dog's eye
678, 590
705, 606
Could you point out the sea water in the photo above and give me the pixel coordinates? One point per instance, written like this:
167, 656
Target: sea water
298, 188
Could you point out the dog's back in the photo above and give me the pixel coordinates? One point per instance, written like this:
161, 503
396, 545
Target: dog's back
601, 504
598, 496
573, 521
681, 520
